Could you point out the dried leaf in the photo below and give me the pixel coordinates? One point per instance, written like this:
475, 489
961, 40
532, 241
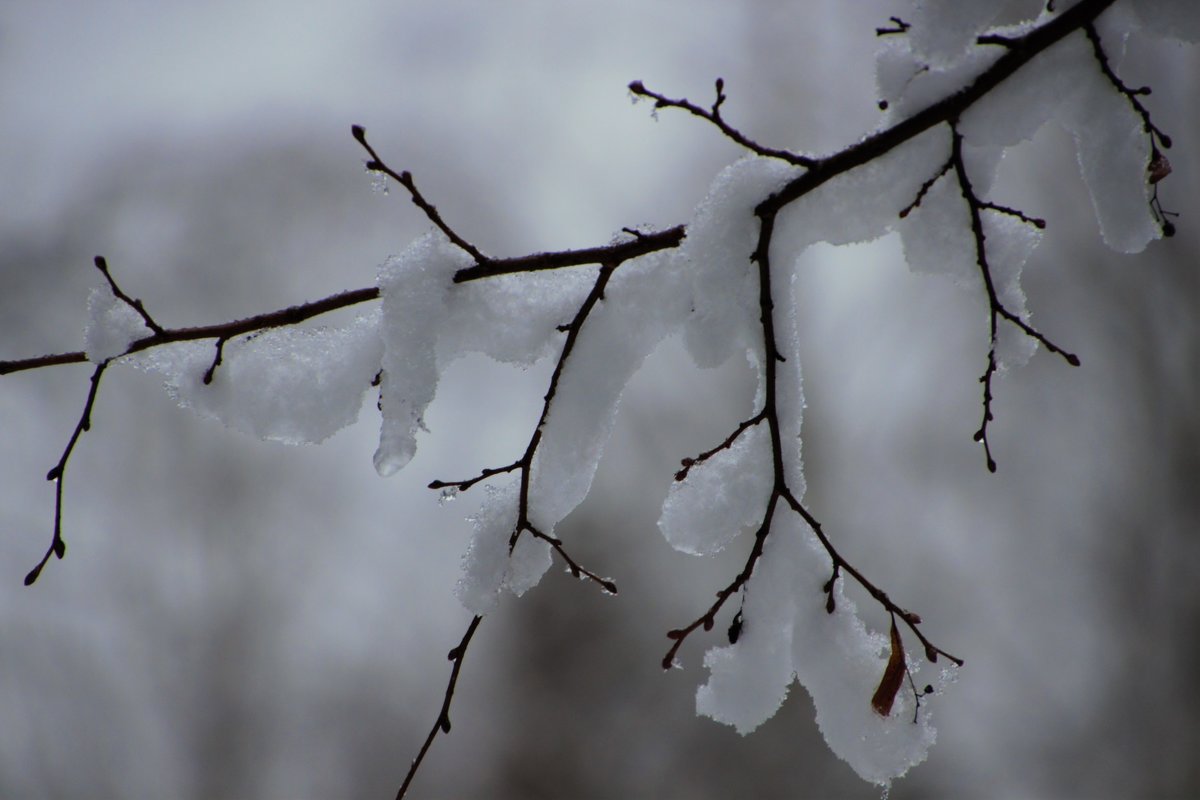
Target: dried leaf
893, 676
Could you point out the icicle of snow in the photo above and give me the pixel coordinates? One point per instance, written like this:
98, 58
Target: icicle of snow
724, 283
290, 385
111, 327
414, 287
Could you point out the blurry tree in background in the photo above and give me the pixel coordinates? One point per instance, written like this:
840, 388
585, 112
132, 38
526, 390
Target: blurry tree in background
237, 639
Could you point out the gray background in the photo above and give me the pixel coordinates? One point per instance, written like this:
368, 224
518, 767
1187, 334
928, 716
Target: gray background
238, 619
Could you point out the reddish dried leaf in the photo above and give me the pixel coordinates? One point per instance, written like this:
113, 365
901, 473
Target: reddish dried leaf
893, 677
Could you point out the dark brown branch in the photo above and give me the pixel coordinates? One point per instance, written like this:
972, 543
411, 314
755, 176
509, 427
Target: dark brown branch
405, 179
274, 319
57, 473
576, 570
840, 563
709, 618
1131, 95
899, 26
606, 254
462, 486
615, 254
442, 725
713, 115
525, 463
1022, 50
688, 463
996, 308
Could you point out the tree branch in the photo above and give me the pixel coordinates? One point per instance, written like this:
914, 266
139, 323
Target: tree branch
442, 724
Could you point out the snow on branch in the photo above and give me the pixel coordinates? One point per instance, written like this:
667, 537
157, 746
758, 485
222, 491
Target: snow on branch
957, 92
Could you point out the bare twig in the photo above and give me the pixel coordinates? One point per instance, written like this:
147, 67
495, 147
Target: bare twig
57, 473
136, 305
442, 724
996, 308
405, 179
713, 115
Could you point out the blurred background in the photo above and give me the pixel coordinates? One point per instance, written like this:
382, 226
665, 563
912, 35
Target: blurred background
238, 619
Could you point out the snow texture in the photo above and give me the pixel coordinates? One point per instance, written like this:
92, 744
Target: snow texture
644, 301
112, 325
290, 385
724, 283
720, 496
943, 31
414, 287
487, 566
787, 633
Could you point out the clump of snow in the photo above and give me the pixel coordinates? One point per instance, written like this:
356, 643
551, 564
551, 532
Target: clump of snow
720, 239
290, 385
511, 318
937, 235
944, 31
414, 288
487, 565
721, 495
864, 203
1066, 83
1114, 152
787, 634
112, 325
645, 300
1010, 243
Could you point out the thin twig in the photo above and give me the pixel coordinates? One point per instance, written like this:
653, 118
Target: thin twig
57, 473
442, 724
713, 115
405, 179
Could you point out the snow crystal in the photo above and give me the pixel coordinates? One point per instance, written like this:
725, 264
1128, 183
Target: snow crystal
112, 325
414, 288
720, 496
291, 385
